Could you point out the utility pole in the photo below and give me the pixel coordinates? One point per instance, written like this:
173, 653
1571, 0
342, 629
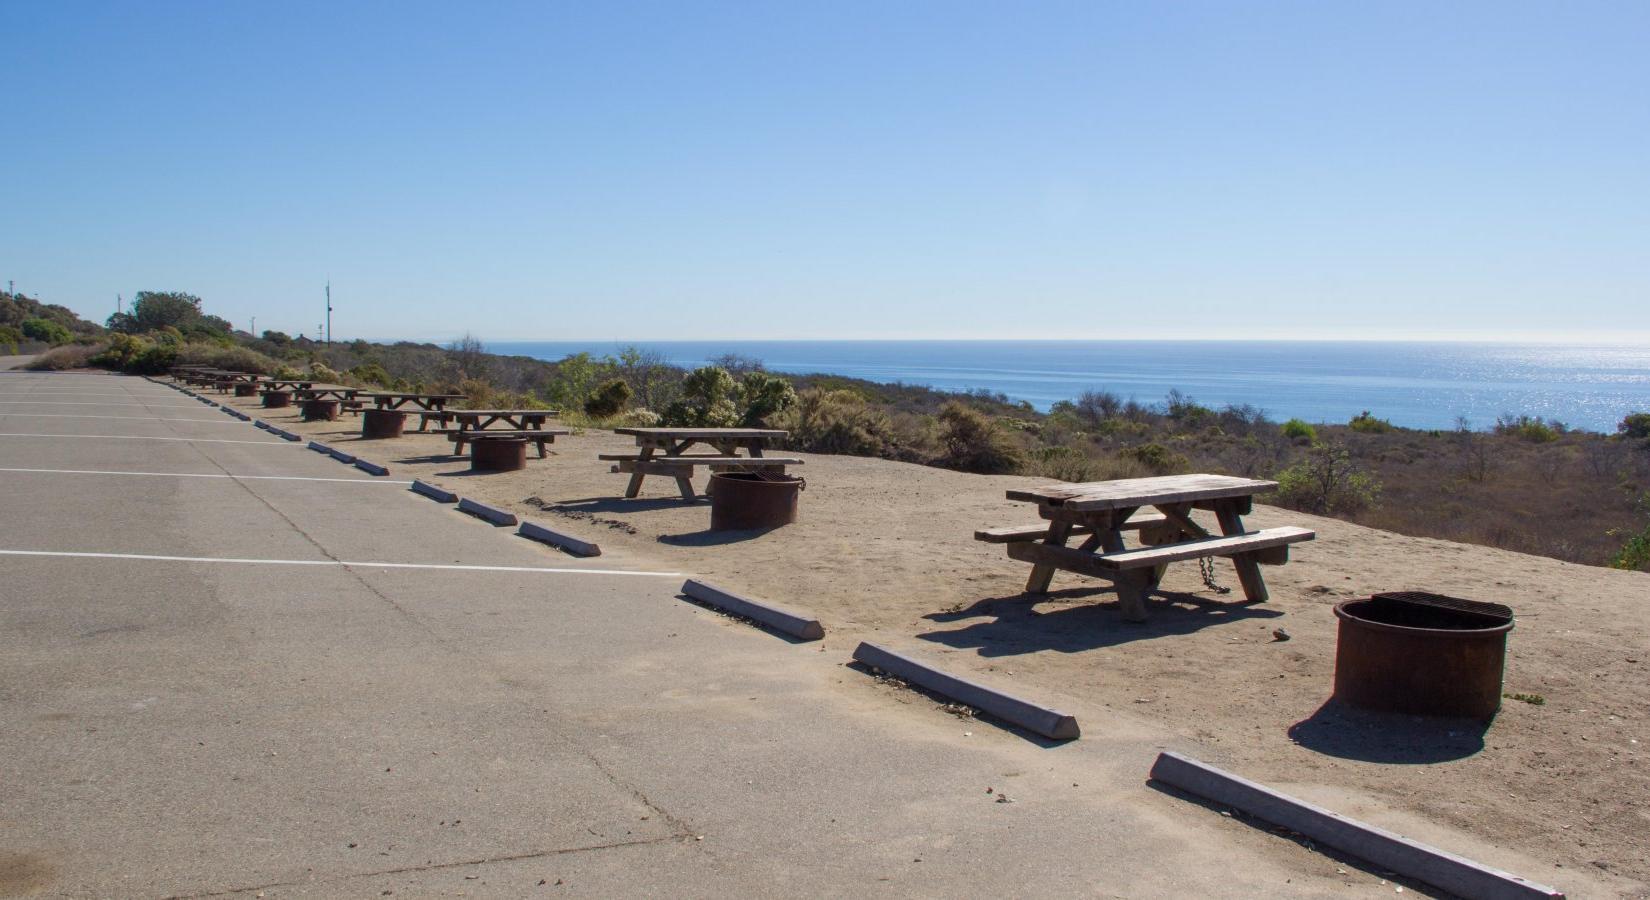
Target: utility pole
254, 326
329, 311
120, 304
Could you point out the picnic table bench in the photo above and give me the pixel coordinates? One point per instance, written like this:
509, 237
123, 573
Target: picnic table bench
1101, 512
538, 436
663, 452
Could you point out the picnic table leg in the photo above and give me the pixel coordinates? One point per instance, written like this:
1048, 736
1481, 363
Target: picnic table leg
1043, 573
685, 485
1248, 570
1132, 585
636, 474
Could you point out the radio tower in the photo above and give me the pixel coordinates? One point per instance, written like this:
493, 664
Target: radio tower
329, 312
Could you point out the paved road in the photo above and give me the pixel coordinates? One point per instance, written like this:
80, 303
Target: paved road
201, 721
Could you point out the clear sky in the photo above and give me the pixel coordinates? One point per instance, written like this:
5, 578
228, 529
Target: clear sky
678, 170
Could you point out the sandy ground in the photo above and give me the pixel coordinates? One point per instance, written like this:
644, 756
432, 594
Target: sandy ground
884, 551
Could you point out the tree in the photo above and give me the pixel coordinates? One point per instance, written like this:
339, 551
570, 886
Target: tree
1635, 425
154, 310
1327, 481
650, 376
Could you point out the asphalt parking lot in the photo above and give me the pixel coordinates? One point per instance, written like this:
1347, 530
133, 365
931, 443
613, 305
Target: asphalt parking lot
230, 664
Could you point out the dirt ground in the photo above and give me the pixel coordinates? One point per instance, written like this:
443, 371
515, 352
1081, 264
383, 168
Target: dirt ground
884, 551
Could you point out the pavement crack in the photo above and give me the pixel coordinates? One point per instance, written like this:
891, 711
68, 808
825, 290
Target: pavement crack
319, 548
428, 867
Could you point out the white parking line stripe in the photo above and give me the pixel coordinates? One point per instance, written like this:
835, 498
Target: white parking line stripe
140, 437
93, 403
204, 475
27, 415
333, 562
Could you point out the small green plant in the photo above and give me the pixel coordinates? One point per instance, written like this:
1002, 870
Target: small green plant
1366, 423
1297, 430
9, 339
1534, 429
1532, 699
1635, 554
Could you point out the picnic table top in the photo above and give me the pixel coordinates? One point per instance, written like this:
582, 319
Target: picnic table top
1124, 492
421, 396
702, 433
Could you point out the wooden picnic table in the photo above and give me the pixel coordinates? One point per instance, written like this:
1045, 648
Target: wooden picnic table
1102, 512
398, 399
664, 452
481, 419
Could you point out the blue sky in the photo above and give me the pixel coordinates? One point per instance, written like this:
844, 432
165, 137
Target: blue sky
842, 170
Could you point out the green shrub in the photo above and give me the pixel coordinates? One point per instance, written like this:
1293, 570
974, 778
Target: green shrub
1535, 429
1326, 481
711, 398
1366, 423
764, 396
1635, 554
156, 359
609, 400
837, 421
1635, 425
1295, 430
120, 351
47, 331
1064, 464
971, 442
371, 373
1156, 458
9, 339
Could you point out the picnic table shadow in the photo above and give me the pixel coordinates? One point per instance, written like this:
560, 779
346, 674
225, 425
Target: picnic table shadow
1347, 732
628, 505
1013, 626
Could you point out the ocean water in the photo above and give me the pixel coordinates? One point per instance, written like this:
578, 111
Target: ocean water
1417, 385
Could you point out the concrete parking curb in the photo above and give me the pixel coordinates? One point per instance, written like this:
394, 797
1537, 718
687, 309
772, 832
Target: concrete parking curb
260, 423
341, 456
776, 617
371, 468
491, 513
1050, 723
439, 495
287, 435
319, 447
536, 532
1412, 859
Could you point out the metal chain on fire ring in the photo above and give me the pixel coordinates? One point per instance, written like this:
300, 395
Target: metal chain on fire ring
1206, 565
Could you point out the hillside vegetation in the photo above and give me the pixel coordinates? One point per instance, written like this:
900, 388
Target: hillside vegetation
1528, 484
